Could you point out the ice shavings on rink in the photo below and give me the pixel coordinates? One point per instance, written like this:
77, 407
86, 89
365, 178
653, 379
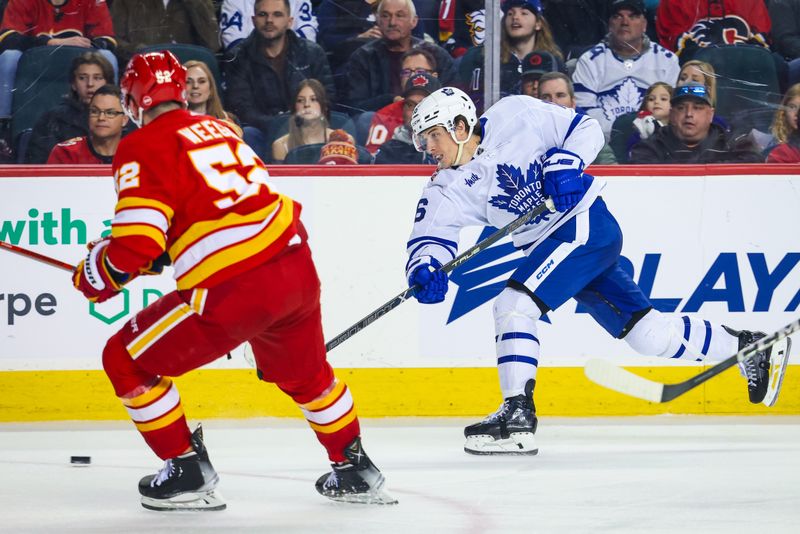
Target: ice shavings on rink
646, 474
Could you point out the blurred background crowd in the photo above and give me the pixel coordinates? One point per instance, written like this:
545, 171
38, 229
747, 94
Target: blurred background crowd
336, 81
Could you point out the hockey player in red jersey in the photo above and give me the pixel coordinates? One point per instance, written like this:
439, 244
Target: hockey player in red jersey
192, 194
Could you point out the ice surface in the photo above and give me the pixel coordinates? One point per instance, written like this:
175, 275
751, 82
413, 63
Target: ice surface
649, 474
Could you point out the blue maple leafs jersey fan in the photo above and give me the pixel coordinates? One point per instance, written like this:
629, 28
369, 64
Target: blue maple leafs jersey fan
607, 85
504, 179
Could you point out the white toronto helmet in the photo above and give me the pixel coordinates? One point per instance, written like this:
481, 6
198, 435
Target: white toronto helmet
441, 108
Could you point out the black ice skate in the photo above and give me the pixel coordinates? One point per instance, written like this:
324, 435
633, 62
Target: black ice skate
357, 480
186, 482
510, 430
763, 386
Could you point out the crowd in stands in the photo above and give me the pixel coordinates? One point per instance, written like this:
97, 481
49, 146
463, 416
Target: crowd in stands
336, 81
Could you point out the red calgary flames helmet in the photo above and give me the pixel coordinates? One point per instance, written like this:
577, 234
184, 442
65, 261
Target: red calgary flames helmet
152, 79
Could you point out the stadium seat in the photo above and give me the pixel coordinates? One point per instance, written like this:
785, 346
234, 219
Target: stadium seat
747, 84
363, 122
22, 144
309, 155
186, 52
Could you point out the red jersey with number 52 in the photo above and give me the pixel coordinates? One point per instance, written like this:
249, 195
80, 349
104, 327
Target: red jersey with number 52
189, 185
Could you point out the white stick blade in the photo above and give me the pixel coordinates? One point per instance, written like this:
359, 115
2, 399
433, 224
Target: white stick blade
779, 360
618, 379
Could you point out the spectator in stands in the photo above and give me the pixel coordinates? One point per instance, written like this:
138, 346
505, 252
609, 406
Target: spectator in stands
106, 123
461, 25
236, 21
653, 113
268, 69
141, 23
385, 120
310, 122
30, 23
785, 129
400, 148
534, 65
611, 78
69, 119
339, 150
203, 96
785, 17
686, 25
556, 87
524, 30
373, 71
691, 136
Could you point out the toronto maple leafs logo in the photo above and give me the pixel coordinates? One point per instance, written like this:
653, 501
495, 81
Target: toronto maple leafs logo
522, 192
621, 99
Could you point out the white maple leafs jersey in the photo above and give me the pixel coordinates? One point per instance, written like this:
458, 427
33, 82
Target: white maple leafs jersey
236, 23
504, 179
607, 86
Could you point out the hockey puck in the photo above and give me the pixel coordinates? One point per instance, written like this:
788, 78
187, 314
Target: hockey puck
80, 460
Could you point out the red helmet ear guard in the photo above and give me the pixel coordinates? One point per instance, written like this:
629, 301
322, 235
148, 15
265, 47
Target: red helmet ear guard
152, 79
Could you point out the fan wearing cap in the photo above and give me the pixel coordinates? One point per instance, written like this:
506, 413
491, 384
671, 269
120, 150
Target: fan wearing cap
192, 194
400, 148
691, 135
611, 78
534, 65
384, 121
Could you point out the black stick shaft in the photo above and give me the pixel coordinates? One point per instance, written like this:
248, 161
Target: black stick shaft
447, 267
672, 391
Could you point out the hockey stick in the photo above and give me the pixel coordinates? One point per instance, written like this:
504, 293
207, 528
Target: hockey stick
547, 205
613, 377
36, 256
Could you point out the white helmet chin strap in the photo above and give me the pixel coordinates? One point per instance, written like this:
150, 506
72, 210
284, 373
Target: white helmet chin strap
460, 147
135, 117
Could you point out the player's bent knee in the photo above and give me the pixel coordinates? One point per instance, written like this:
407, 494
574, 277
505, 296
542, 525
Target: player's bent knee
651, 335
121, 369
514, 302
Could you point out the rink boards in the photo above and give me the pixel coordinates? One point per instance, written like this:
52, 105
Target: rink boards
719, 242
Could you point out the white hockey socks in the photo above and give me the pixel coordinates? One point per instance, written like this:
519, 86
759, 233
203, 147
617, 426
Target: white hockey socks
681, 337
516, 341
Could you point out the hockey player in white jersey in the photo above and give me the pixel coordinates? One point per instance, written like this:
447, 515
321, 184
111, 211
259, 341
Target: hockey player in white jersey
493, 170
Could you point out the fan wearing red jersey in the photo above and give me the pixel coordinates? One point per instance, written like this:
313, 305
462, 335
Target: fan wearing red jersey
188, 187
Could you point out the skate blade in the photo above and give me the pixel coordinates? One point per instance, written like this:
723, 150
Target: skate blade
207, 501
518, 443
376, 495
372, 497
779, 361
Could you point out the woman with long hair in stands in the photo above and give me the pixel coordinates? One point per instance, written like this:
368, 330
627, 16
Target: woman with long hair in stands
203, 96
310, 121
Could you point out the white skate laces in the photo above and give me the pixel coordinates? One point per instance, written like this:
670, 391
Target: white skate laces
164, 474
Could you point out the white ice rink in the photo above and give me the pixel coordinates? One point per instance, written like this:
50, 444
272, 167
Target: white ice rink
656, 474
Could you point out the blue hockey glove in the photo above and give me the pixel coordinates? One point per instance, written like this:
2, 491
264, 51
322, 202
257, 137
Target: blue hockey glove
433, 282
563, 178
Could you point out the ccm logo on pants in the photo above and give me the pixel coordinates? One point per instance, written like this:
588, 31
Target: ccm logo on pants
544, 269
